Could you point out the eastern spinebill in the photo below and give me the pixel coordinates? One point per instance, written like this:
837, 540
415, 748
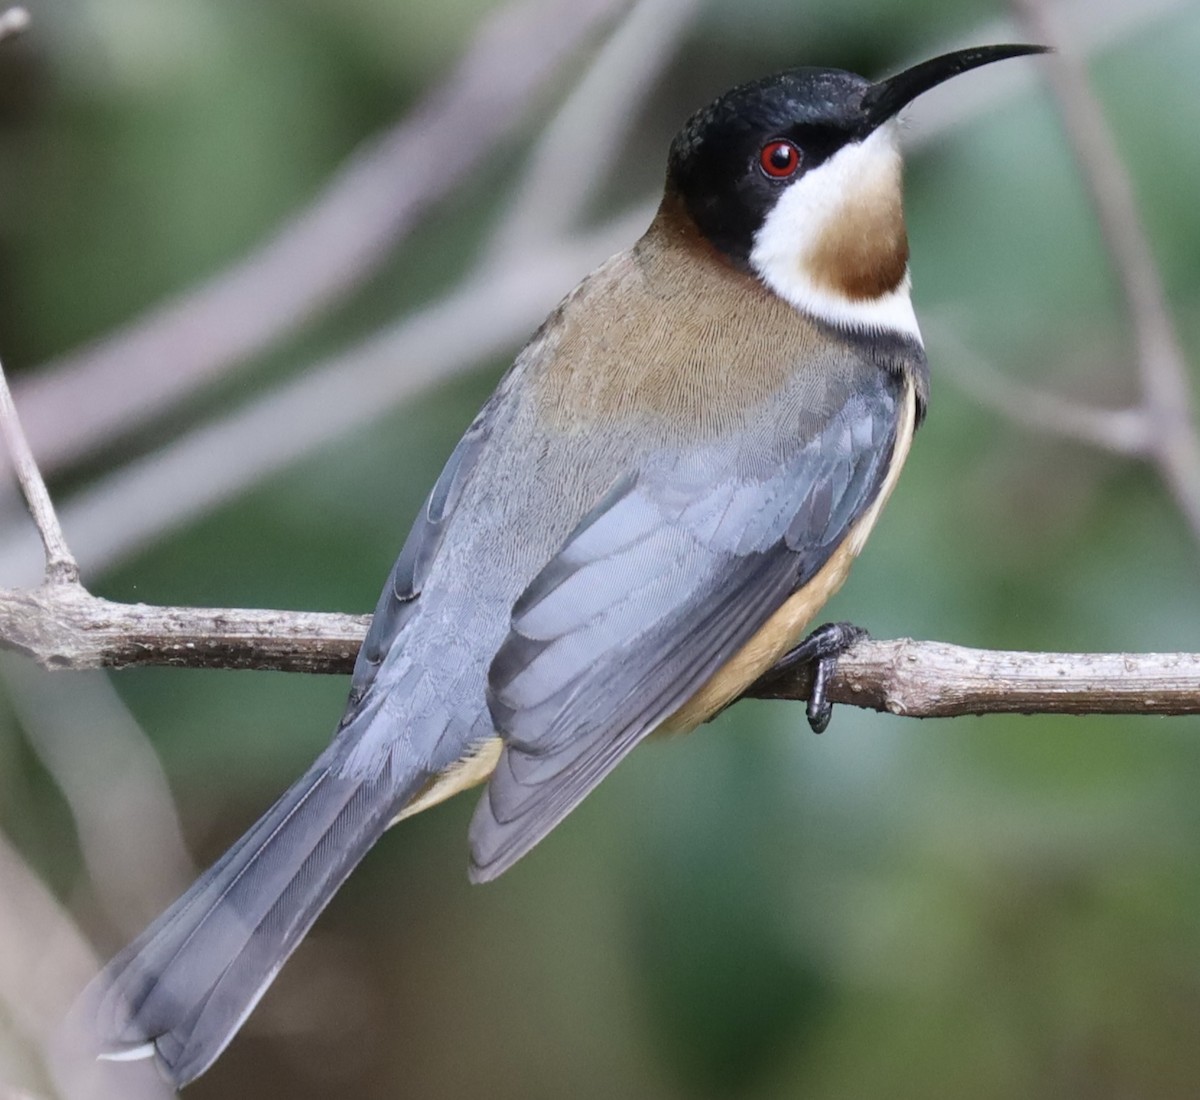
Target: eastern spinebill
673, 477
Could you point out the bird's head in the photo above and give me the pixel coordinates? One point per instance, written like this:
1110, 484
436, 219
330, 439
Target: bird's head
797, 178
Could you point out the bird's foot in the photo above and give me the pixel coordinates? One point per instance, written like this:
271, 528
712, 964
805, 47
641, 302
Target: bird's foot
821, 649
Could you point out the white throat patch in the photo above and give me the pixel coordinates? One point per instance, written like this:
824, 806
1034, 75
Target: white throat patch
802, 217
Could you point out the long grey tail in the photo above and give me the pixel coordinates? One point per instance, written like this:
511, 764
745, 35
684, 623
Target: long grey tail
184, 987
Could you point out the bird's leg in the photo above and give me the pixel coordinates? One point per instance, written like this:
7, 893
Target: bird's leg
821, 649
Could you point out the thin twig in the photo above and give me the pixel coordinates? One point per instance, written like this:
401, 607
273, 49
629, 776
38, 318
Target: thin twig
1161, 361
61, 567
82, 400
70, 629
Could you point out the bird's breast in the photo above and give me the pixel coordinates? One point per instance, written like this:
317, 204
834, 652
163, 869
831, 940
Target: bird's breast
671, 343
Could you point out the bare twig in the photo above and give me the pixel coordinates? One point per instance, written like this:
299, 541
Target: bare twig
1175, 447
65, 628
60, 564
326, 250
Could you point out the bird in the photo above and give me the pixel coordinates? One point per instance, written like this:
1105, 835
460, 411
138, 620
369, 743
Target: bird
672, 478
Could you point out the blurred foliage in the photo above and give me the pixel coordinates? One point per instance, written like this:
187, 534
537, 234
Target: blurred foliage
988, 908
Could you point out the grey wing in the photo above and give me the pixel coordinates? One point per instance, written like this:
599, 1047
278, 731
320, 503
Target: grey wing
408, 575
653, 592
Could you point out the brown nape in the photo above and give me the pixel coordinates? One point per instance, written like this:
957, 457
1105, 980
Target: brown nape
863, 252
674, 226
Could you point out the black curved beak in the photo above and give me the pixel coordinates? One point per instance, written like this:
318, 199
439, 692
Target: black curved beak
884, 99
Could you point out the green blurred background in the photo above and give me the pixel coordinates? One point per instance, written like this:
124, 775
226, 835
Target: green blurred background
964, 908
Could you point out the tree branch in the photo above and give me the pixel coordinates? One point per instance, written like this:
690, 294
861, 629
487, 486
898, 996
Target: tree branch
936, 680
64, 627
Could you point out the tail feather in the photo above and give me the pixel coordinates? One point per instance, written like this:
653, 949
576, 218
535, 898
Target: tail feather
183, 988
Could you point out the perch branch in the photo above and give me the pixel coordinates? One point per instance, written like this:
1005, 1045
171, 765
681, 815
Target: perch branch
936, 680
64, 627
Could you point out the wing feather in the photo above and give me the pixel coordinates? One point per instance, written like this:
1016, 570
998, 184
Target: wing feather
659, 586
407, 578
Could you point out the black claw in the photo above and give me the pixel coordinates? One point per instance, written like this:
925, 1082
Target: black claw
820, 709
821, 649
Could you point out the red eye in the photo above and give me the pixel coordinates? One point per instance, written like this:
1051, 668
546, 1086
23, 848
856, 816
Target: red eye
779, 159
